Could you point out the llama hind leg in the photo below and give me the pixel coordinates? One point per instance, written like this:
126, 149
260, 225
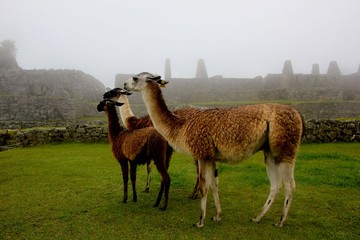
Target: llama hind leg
275, 185
286, 171
148, 177
215, 190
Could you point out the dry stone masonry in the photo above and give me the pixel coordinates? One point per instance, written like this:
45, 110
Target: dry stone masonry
317, 131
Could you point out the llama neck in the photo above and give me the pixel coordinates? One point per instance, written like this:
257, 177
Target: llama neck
164, 121
114, 127
125, 111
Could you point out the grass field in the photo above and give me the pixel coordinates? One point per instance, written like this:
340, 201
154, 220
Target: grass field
74, 191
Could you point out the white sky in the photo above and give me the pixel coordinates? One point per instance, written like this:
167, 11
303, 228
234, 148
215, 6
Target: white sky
236, 38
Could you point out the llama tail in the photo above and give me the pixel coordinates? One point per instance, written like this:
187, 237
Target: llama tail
303, 125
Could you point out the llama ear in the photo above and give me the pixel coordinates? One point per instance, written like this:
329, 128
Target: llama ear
118, 104
124, 92
154, 77
100, 106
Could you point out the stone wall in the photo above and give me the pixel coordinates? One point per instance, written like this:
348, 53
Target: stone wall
317, 131
34, 137
326, 131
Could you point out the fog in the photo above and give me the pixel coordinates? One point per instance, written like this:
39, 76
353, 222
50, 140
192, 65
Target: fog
235, 38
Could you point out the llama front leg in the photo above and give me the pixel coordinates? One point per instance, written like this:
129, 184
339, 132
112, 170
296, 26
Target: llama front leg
125, 172
165, 184
195, 192
167, 188
133, 179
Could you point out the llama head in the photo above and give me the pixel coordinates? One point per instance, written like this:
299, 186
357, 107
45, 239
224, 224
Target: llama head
102, 106
115, 93
138, 82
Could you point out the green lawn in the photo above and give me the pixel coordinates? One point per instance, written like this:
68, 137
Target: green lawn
74, 191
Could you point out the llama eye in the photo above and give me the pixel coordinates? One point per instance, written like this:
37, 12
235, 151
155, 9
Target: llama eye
135, 78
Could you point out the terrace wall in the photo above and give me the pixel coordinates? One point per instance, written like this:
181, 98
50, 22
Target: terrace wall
317, 131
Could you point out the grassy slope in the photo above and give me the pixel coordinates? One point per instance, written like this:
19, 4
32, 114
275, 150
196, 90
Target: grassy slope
74, 191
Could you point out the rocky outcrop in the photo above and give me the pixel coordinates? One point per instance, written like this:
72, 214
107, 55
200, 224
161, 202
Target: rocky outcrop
47, 96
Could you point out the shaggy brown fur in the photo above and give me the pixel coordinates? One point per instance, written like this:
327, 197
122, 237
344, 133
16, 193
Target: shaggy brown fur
137, 147
229, 135
131, 123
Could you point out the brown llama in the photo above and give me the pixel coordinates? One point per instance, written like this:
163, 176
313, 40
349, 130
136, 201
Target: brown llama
229, 135
132, 122
136, 147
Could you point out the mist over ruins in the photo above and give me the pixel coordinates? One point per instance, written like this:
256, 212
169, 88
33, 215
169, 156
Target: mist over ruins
318, 95
31, 98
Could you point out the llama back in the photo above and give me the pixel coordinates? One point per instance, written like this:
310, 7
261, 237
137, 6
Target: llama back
237, 133
133, 122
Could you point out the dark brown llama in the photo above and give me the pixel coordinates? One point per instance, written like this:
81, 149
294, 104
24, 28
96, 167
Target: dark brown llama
136, 147
132, 122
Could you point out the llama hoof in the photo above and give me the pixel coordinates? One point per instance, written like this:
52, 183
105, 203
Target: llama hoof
147, 190
254, 220
163, 208
216, 219
198, 225
124, 201
193, 196
278, 224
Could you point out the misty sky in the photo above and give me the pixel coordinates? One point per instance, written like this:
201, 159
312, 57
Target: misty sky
236, 38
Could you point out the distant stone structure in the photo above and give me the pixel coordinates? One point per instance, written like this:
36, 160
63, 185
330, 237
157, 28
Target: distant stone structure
287, 75
167, 70
7, 58
315, 69
287, 69
201, 72
325, 95
334, 70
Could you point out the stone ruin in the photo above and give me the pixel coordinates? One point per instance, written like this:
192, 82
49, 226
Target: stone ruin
167, 75
32, 98
322, 95
201, 72
315, 69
